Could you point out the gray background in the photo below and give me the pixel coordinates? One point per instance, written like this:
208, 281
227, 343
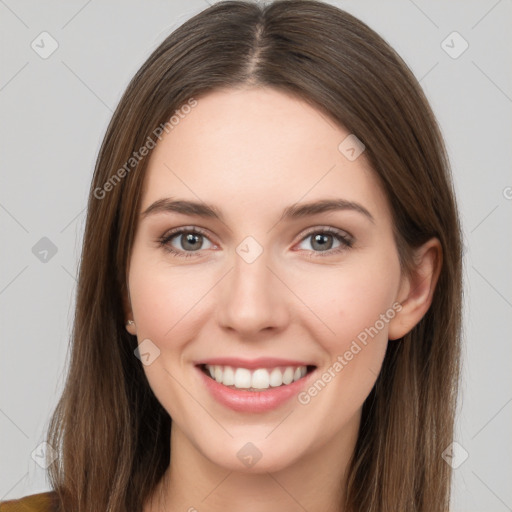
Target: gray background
54, 114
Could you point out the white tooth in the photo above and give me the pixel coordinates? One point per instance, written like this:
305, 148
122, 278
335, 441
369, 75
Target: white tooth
276, 377
218, 373
242, 378
228, 376
288, 375
260, 379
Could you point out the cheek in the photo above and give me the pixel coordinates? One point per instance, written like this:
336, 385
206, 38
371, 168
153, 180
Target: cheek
352, 299
360, 310
162, 298
163, 302
357, 306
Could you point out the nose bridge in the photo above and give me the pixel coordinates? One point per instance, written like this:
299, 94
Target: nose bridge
252, 299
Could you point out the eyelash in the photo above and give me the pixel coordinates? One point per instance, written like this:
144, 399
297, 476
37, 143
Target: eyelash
346, 241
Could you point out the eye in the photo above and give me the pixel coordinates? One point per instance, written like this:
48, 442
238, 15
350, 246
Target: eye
323, 240
184, 241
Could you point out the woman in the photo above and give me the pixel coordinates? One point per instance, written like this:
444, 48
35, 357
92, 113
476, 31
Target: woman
268, 308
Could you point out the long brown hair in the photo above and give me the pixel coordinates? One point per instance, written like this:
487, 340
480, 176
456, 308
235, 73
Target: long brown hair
111, 432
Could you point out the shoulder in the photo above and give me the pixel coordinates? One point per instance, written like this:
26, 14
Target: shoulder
41, 502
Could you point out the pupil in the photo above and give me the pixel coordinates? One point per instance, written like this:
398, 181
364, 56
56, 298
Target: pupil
191, 238
320, 238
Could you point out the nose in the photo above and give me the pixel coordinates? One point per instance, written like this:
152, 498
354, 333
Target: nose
252, 298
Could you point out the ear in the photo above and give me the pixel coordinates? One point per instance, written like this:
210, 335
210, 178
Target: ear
417, 288
127, 309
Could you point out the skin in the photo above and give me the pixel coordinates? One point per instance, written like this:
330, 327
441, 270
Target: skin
240, 149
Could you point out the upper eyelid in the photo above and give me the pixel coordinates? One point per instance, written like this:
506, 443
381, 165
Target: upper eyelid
328, 229
171, 233
205, 232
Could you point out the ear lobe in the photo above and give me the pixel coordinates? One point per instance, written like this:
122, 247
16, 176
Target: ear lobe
128, 314
417, 289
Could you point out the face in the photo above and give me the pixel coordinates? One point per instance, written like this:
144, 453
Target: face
257, 288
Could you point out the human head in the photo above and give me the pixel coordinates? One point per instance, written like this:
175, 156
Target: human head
343, 69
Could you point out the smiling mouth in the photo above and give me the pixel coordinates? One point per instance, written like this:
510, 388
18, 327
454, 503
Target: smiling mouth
258, 379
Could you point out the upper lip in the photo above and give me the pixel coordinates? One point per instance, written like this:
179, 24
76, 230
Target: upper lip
260, 362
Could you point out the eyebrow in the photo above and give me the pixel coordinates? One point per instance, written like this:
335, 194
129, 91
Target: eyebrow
295, 211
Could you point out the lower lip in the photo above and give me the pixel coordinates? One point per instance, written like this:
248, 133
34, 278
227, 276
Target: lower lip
253, 401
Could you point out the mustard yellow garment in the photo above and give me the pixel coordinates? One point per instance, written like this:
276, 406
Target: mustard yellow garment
42, 502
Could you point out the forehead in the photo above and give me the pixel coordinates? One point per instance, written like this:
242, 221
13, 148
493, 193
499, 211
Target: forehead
257, 146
